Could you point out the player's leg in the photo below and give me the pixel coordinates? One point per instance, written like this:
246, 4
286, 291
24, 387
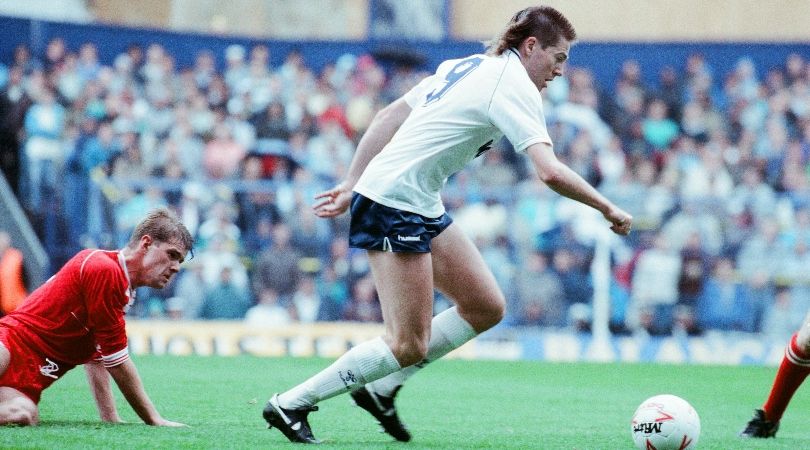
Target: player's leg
405, 288
15, 408
459, 272
5, 358
792, 372
462, 275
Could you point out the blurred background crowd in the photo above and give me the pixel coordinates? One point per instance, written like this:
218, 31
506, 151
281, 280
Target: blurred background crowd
715, 168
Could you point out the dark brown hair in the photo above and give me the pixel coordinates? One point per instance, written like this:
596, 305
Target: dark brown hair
543, 22
164, 226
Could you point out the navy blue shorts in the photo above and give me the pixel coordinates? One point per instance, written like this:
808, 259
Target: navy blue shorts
378, 227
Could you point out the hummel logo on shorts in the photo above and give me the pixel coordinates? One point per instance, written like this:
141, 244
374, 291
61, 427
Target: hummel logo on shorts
49, 369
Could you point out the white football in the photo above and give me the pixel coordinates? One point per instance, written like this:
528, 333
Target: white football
665, 422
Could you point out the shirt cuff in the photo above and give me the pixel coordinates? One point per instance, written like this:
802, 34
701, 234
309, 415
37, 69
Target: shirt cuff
116, 358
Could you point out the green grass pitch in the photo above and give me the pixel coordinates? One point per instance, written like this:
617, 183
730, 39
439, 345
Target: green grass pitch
452, 404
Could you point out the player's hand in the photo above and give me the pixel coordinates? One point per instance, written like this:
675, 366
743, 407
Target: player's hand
620, 220
168, 423
333, 202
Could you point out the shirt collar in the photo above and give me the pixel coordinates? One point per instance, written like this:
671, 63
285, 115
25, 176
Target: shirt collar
123, 263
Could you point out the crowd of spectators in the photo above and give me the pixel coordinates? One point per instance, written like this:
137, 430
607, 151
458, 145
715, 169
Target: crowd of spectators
715, 168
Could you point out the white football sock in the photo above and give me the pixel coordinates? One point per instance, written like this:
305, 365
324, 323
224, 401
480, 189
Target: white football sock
362, 364
448, 331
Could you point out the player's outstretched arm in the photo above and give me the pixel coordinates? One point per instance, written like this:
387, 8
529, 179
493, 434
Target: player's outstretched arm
99, 380
568, 183
385, 124
129, 382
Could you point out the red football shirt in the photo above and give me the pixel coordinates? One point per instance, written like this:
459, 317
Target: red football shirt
79, 311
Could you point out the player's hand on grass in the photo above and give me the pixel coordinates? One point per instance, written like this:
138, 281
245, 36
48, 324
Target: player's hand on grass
168, 423
622, 222
333, 202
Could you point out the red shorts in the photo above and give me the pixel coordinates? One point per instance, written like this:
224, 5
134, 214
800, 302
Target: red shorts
28, 371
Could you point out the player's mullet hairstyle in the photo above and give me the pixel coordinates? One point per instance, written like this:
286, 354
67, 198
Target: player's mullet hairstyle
543, 22
164, 226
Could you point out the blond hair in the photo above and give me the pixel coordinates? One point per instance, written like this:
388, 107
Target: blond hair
164, 226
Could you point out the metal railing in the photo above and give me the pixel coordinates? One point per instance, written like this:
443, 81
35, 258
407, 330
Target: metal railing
14, 221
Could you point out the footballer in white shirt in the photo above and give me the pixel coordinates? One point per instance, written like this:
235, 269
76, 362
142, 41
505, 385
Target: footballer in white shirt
393, 188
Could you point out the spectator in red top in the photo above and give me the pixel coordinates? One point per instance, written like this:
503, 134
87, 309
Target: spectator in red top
77, 317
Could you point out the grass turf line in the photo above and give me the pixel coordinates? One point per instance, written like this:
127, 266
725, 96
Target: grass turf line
453, 404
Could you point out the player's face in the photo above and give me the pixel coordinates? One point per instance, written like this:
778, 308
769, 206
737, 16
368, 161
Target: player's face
161, 262
545, 64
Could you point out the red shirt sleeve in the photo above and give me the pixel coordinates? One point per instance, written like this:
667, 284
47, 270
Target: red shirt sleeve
106, 292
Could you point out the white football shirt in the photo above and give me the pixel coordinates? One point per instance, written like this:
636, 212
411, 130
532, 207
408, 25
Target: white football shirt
457, 114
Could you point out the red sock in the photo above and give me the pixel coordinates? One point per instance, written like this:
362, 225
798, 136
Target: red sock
794, 369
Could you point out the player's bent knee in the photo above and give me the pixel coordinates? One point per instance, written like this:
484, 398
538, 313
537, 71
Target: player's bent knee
5, 358
498, 311
22, 418
16, 409
18, 413
409, 352
486, 315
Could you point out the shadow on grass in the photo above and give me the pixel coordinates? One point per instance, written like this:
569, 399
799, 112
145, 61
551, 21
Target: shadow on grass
82, 423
